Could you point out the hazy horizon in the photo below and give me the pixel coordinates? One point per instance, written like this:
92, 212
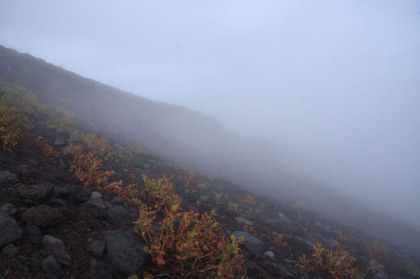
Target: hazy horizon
332, 86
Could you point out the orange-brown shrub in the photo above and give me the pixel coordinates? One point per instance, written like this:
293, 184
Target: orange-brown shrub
159, 194
337, 262
194, 247
277, 239
15, 110
88, 169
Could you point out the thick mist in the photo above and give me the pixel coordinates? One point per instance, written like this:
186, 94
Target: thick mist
319, 100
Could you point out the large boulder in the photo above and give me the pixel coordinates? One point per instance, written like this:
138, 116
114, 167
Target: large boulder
125, 251
7, 177
99, 270
9, 229
42, 215
119, 215
252, 244
56, 246
34, 194
33, 233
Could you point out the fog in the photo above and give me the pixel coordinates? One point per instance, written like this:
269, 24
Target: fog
323, 94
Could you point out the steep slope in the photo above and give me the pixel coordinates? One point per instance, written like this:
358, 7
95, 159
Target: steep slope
74, 205
189, 138
166, 129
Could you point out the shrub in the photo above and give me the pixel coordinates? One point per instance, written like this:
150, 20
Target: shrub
58, 119
138, 149
15, 110
337, 262
192, 180
413, 268
159, 194
97, 146
277, 239
379, 253
13, 126
193, 248
88, 169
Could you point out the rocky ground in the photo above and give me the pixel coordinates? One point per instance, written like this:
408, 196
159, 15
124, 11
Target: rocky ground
53, 227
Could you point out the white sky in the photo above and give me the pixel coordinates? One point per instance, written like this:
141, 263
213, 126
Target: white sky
337, 82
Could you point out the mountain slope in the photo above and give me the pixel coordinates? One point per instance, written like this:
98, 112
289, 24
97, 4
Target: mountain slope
180, 134
74, 205
165, 129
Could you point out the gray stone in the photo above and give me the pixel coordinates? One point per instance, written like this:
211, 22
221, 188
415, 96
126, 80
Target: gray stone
325, 227
80, 194
74, 137
42, 215
98, 248
125, 251
96, 195
107, 204
278, 270
9, 229
253, 268
244, 221
61, 192
100, 270
98, 202
62, 256
33, 233
34, 194
57, 247
269, 255
117, 200
9, 251
376, 273
9, 209
59, 142
7, 177
23, 170
51, 243
126, 204
50, 264
118, 215
61, 164
58, 203
252, 244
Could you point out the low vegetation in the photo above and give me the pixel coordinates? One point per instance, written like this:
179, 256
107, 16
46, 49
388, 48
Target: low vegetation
15, 111
339, 263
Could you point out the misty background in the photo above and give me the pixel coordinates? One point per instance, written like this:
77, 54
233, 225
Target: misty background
326, 91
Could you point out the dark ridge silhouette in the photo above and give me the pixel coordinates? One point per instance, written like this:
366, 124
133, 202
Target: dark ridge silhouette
193, 141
